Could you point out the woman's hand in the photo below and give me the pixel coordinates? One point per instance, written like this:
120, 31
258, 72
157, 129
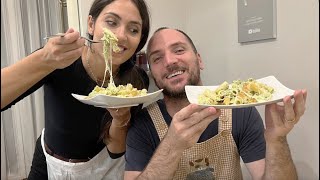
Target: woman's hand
60, 52
280, 119
121, 116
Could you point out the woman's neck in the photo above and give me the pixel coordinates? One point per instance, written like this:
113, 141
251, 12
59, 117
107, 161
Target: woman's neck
93, 64
95, 67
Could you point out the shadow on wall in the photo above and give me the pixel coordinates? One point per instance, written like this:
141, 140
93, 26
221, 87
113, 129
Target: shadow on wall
305, 172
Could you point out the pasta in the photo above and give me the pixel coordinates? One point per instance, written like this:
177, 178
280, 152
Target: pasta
110, 45
120, 91
238, 92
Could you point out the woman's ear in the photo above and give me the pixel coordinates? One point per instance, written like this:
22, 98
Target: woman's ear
90, 25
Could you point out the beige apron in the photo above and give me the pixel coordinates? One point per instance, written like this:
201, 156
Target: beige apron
219, 152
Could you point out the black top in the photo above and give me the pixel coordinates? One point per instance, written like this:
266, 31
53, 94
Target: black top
247, 131
72, 129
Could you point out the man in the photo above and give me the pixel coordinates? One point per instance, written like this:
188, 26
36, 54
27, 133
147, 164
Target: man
173, 139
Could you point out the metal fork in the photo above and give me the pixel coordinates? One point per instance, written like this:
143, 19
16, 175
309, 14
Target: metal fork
62, 35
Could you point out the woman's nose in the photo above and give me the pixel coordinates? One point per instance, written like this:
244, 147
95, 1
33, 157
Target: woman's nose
121, 33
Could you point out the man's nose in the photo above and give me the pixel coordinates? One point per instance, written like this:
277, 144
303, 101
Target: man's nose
170, 59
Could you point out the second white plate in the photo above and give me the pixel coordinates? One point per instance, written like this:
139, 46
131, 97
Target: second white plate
280, 92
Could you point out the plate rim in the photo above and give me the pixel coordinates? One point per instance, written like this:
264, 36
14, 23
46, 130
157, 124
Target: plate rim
117, 97
97, 103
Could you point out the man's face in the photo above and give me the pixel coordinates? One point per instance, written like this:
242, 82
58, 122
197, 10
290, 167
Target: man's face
173, 62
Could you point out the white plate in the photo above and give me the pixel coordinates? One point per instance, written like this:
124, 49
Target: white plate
105, 101
280, 92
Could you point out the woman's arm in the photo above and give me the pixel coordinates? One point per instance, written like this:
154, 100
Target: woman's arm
58, 53
116, 141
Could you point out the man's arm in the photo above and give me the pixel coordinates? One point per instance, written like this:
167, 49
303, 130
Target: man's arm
278, 163
59, 52
162, 165
280, 120
185, 129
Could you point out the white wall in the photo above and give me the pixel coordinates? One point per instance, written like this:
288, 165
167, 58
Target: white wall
293, 58
167, 13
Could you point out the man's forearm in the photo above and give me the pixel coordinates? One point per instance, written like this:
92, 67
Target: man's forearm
163, 164
279, 164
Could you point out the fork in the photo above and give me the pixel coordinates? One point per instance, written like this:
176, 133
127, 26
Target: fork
62, 35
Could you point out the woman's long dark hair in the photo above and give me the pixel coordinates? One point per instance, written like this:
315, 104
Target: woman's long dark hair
128, 72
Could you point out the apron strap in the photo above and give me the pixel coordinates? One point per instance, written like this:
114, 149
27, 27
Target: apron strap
158, 120
225, 120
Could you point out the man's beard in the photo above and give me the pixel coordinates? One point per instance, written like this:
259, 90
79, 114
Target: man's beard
180, 93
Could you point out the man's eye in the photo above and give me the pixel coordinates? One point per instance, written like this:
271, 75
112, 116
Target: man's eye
156, 59
179, 51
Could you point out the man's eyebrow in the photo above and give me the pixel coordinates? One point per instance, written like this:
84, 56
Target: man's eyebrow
178, 44
118, 17
153, 52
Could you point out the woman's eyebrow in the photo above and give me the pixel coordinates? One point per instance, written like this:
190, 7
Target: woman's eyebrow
118, 17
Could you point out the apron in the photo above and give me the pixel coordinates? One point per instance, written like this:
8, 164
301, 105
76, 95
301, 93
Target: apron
218, 154
100, 167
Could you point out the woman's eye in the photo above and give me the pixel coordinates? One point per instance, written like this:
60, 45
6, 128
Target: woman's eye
111, 23
134, 31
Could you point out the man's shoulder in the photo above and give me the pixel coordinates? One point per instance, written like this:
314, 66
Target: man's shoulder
244, 112
244, 117
143, 114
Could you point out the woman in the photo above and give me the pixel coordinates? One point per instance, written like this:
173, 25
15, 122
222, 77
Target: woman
81, 141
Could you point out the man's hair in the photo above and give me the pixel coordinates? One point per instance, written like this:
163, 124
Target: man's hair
182, 32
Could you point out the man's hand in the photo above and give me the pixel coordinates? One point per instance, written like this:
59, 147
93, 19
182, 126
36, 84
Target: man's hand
281, 119
188, 124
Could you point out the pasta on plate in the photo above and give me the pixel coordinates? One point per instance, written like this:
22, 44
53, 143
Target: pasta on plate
120, 91
238, 92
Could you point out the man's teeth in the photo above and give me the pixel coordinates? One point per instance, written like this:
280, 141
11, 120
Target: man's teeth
174, 74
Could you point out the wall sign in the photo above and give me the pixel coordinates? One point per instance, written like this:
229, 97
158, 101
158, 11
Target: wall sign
256, 20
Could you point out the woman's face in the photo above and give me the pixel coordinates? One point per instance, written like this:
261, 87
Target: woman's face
123, 18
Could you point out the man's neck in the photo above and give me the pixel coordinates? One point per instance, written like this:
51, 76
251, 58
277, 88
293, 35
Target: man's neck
174, 105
